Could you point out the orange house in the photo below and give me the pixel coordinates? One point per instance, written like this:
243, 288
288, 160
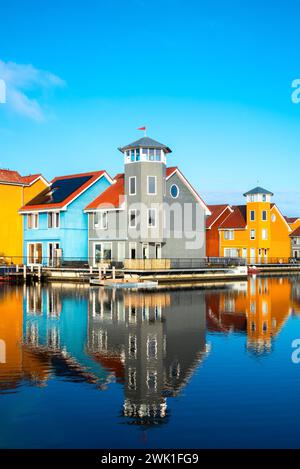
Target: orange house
219, 213
257, 231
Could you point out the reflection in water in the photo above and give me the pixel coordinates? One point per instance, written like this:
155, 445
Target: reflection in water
149, 342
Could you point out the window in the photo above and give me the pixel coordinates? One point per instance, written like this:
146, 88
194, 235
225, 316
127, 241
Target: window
151, 154
174, 191
229, 234
53, 219
158, 155
273, 218
252, 215
137, 155
32, 221
264, 198
264, 234
100, 220
264, 215
132, 185
151, 185
152, 217
132, 156
252, 234
151, 347
132, 218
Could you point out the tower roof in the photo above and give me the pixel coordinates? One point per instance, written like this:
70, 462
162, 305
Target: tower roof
146, 142
258, 190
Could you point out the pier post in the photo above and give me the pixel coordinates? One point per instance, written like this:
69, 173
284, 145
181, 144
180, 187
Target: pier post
24, 272
100, 273
39, 272
91, 269
17, 268
113, 272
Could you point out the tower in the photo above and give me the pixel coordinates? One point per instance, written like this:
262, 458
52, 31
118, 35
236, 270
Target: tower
259, 223
145, 190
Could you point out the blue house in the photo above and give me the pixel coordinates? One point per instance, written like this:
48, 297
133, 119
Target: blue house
55, 225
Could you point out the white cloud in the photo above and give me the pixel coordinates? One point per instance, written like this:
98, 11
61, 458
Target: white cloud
26, 87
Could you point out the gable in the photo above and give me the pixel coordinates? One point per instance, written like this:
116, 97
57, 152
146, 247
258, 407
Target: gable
188, 193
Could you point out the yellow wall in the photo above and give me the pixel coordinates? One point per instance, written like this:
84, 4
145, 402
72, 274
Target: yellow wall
278, 243
12, 198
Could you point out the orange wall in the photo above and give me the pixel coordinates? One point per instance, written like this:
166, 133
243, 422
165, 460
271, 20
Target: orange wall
213, 237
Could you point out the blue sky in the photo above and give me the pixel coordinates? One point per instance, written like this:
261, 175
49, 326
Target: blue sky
210, 79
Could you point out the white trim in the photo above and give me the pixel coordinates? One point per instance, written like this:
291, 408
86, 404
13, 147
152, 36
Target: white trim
190, 187
155, 178
129, 188
178, 191
155, 217
132, 245
64, 207
280, 214
48, 250
52, 212
118, 209
34, 243
41, 178
94, 251
36, 216
129, 218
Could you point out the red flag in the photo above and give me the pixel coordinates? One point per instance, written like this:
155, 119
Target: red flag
142, 128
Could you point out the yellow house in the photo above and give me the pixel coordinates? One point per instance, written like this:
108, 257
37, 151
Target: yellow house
15, 191
257, 231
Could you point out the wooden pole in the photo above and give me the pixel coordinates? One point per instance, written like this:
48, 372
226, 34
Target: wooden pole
113, 272
24, 272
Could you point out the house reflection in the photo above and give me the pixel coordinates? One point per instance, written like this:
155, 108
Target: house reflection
258, 308
144, 340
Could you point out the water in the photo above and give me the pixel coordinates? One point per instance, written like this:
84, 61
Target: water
202, 368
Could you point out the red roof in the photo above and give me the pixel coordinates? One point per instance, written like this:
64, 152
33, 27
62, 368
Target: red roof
113, 196
13, 177
31, 178
296, 232
216, 212
237, 219
93, 177
291, 220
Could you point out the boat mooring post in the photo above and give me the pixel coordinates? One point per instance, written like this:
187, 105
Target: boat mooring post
113, 273
24, 272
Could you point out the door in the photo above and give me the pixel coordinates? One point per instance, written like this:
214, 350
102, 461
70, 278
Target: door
97, 253
52, 254
121, 251
158, 251
252, 255
145, 251
132, 251
34, 253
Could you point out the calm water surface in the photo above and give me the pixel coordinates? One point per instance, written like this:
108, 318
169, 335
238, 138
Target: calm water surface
91, 368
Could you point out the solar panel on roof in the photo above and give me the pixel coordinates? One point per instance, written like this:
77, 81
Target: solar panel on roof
59, 191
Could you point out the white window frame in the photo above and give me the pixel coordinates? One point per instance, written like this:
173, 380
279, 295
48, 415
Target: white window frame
33, 216
230, 234
155, 218
252, 238
34, 243
148, 182
101, 217
264, 234
129, 181
135, 217
55, 217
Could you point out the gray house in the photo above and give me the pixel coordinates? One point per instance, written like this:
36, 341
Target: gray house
150, 211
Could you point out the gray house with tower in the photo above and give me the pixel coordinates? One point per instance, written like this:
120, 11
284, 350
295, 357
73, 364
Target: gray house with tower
150, 211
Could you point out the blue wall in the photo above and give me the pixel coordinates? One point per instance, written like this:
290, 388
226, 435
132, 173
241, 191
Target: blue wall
73, 232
